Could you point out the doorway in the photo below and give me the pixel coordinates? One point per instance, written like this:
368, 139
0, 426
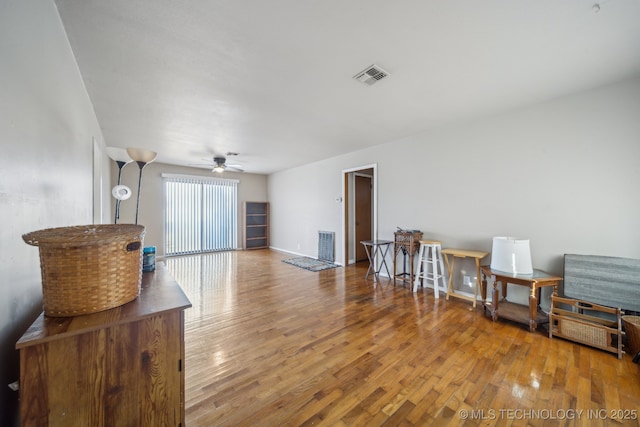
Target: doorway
360, 211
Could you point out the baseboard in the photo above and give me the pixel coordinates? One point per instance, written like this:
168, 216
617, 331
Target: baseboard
291, 252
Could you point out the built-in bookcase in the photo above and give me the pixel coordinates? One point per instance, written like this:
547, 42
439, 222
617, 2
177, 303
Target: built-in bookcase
256, 225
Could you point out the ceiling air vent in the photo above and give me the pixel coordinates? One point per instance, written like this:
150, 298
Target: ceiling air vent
370, 75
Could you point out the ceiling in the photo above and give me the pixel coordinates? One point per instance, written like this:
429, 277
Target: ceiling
272, 80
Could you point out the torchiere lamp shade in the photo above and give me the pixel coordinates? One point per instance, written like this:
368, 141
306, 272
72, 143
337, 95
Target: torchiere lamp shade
142, 155
118, 154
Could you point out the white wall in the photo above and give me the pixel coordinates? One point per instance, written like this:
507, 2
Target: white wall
47, 126
564, 174
302, 202
252, 187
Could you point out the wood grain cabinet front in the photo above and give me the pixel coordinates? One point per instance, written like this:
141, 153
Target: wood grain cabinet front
121, 367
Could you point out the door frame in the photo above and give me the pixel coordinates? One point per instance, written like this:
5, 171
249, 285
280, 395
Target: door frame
347, 198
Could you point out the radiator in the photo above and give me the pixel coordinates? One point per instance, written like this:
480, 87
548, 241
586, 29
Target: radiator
326, 245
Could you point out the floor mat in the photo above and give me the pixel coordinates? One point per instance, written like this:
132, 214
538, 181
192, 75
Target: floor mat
310, 263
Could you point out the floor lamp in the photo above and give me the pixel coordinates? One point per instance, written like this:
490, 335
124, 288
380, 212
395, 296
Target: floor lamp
142, 157
120, 192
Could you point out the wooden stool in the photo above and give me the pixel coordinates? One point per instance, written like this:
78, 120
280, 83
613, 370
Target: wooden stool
430, 266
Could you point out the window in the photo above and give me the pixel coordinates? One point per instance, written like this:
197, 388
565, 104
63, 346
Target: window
201, 214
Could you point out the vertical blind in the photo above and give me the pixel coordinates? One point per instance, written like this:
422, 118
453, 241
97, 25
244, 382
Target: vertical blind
201, 214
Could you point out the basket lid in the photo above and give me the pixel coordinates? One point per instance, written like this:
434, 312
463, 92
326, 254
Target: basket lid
83, 235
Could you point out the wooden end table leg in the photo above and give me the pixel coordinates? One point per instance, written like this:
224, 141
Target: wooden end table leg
533, 310
494, 300
450, 271
483, 289
475, 292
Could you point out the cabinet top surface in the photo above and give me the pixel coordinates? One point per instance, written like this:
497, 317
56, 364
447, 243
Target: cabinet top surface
537, 276
159, 293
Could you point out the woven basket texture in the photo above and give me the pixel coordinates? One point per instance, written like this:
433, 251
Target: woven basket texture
632, 330
409, 240
88, 268
583, 333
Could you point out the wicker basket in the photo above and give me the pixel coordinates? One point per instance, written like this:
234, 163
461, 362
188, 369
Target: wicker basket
88, 268
632, 329
585, 333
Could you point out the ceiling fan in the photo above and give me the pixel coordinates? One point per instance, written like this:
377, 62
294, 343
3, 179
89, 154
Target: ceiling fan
219, 164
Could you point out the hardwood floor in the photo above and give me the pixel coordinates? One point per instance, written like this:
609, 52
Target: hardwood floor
270, 344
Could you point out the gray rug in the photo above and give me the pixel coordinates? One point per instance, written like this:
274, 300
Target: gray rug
310, 263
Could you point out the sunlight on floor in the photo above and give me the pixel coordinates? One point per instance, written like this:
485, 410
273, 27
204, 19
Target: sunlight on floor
201, 276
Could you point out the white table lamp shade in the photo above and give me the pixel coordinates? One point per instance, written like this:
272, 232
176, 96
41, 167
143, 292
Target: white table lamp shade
511, 255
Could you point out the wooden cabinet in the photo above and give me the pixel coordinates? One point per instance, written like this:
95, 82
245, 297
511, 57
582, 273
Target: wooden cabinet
256, 225
122, 366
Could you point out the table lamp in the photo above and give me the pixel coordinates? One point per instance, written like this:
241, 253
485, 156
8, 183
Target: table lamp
511, 255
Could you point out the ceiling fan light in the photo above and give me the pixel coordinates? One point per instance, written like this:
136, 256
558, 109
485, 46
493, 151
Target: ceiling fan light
218, 168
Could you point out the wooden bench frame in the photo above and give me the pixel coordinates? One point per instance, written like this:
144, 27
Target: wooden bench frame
583, 328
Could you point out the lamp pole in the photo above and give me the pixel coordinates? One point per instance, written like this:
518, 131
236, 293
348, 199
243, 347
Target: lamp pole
142, 157
141, 165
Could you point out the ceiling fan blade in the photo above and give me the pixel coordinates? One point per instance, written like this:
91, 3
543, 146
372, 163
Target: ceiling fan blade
235, 168
201, 165
218, 161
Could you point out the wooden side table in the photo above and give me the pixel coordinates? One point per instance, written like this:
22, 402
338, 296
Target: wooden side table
462, 253
407, 242
531, 314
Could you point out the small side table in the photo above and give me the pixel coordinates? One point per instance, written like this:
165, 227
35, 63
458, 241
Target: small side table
462, 253
407, 242
375, 248
531, 314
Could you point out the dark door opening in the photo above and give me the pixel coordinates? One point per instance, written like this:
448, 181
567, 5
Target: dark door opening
359, 211
362, 214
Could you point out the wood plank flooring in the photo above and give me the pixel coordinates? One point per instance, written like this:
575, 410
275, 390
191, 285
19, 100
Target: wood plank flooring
270, 344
